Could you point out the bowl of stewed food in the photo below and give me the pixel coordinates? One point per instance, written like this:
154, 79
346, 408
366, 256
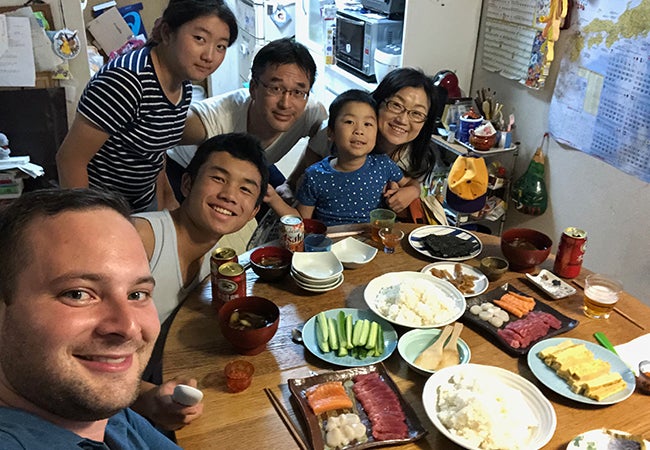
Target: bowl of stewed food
271, 263
249, 323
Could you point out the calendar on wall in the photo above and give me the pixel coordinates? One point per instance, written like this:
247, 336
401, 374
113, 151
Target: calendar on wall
519, 37
601, 102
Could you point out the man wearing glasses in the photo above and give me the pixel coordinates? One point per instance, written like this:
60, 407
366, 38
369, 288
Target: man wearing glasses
276, 108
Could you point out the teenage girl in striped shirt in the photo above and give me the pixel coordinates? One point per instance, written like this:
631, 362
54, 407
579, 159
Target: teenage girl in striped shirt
135, 107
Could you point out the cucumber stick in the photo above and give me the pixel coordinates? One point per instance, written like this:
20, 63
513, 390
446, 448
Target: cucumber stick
379, 348
333, 335
340, 329
322, 332
348, 331
364, 332
372, 336
356, 332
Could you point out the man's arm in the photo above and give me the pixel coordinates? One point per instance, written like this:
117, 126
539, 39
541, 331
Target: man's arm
194, 132
82, 142
278, 205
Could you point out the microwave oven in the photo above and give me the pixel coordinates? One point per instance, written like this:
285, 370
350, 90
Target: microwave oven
358, 34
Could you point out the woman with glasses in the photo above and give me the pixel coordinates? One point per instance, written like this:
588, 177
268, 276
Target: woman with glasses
135, 107
408, 105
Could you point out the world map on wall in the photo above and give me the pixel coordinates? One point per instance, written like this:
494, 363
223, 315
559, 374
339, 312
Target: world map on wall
601, 102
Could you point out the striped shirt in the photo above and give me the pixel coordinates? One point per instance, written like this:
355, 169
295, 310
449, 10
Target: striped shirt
125, 100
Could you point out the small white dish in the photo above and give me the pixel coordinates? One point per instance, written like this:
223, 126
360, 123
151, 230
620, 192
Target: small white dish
481, 282
312, 288
353, 253
551, 284
316, 265
315, 283
414, 342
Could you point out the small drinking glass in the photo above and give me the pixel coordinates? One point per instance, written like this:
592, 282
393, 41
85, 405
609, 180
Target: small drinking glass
390, 237
643, 379
317, 243
380, 218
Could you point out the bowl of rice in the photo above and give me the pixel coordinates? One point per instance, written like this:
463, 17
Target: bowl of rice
414, 299
484, 407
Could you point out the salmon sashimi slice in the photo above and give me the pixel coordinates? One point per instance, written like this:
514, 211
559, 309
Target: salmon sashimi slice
328, 389
330, 404
327, 397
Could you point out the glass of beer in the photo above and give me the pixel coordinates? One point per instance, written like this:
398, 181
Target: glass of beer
380, 218
601, 294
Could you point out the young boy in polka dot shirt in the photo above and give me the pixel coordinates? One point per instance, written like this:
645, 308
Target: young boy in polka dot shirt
345, 187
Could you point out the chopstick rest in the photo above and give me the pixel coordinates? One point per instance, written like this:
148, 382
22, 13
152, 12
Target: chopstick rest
600, 337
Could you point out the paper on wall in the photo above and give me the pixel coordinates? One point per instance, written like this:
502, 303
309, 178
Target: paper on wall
4, 37
45, 60
17, 63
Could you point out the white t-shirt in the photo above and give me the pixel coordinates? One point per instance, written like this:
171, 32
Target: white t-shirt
165, 266
228, 113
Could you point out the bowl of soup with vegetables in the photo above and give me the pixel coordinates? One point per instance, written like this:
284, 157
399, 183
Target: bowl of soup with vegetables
249, 323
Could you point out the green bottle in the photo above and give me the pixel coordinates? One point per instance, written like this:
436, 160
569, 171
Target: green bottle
529, 194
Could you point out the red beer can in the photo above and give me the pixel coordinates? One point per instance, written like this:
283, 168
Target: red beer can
220, 255
292, 233
570, 253
231, 283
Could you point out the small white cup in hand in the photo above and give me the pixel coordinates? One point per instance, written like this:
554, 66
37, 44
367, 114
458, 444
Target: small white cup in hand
187, 395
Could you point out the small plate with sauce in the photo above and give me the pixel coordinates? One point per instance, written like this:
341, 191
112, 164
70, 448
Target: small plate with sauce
550, 283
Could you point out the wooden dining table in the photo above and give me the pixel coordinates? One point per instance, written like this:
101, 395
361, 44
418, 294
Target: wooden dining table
247, 420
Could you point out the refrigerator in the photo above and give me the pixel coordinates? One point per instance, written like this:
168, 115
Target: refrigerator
259, 22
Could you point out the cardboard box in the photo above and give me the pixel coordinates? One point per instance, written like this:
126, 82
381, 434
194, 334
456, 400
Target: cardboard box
110, 30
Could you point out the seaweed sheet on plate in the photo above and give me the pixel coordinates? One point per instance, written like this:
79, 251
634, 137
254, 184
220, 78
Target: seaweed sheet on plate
298, 386
491, 332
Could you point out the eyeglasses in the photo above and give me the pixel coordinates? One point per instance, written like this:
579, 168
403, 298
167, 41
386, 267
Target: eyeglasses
277, 91
398, 108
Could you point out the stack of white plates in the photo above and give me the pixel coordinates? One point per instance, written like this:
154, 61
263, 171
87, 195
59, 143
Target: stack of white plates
316, 271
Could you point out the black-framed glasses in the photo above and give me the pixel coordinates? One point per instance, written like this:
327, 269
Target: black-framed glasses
277, 91
398, 108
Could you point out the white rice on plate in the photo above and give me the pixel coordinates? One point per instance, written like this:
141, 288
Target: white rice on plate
485, 412
416, 303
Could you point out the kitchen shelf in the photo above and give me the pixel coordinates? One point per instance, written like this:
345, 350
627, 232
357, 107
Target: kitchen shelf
459, 148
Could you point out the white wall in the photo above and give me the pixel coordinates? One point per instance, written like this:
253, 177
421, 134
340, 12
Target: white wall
613, 207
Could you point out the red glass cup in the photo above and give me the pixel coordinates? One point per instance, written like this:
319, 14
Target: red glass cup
239, 374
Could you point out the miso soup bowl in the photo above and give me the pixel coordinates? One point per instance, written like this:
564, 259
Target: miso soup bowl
249, 341
525, 248
277, 271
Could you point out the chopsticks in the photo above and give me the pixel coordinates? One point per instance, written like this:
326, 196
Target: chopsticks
628, 317
284, 415
616, 310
